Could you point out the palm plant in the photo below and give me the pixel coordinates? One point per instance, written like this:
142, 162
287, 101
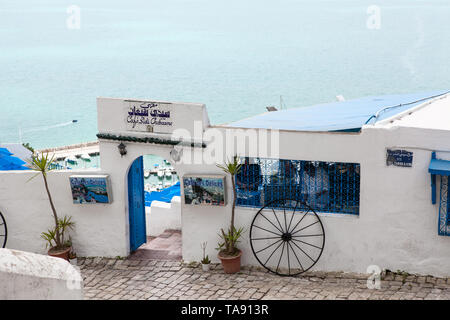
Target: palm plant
230, 238
55, 236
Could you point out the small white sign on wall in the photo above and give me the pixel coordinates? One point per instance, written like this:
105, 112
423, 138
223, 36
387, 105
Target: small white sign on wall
146, 116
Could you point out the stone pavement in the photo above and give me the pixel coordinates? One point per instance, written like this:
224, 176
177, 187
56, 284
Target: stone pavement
157, 279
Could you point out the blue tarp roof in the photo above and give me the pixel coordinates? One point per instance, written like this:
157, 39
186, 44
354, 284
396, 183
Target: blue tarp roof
164, 195
439, 167
348, 115
8, 162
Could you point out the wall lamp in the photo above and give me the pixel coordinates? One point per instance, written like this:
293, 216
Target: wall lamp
122, 149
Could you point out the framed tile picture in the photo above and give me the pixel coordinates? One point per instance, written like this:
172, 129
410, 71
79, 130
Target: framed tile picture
90, 189
206, 190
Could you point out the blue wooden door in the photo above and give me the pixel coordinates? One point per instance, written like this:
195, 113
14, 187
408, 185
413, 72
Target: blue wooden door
136, 204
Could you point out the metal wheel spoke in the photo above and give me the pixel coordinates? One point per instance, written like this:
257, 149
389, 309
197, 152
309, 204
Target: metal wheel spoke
268, 238
277, 219
271, 222
309, 225
289, 263
285, 222
282, 251
308, 235
299, 221
312, 245
267, 230
292, 217
298, 260
303, 251
272, 253
268, 246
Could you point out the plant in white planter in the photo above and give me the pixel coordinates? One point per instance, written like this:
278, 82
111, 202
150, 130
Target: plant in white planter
205, 261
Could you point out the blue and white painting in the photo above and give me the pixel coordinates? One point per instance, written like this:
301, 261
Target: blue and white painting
204, 190
90, 189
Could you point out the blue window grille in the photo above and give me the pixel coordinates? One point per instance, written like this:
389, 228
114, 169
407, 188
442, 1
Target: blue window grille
331, 187
444, 210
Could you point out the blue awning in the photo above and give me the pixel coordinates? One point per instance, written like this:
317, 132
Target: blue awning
439, 167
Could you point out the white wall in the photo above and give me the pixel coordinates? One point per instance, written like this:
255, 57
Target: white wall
162, 216
396, 228
99, 229
397, 225
30, 276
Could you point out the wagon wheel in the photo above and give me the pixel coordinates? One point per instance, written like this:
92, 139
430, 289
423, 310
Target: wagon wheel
3, 231
287, 237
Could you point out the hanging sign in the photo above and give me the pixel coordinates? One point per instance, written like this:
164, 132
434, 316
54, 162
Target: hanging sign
149, 116
399, 158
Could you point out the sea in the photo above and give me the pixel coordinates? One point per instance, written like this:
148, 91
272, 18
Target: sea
236, 56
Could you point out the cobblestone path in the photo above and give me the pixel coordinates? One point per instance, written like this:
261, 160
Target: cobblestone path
155, 279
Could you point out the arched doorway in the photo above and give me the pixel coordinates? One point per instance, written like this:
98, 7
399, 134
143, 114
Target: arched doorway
154, 209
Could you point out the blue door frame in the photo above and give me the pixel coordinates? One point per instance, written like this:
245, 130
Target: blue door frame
136, 204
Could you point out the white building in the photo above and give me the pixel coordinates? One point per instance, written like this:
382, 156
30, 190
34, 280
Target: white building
383, 215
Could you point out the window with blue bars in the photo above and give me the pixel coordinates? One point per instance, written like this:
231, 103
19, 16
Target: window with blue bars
444, 208
331, 187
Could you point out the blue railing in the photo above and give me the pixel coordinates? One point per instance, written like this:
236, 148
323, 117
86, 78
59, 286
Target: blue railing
331, 187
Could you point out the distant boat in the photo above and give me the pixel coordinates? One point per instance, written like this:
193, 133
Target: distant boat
85, 157
71, 160
147, 173
161, 173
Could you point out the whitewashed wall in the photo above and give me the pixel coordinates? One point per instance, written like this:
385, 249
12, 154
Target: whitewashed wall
397, 225
162, 216
396, 228
99, 229
30, 276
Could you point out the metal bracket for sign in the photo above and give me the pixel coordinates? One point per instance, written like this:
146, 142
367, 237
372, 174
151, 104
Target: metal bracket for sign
433, 182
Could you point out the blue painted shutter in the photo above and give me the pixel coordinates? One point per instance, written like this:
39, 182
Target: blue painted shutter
136, 203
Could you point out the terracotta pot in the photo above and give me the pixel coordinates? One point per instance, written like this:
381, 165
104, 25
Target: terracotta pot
60, 253
231, 264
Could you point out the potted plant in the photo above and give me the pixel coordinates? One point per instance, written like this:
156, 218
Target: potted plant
229, 254
55, 236
205, 261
